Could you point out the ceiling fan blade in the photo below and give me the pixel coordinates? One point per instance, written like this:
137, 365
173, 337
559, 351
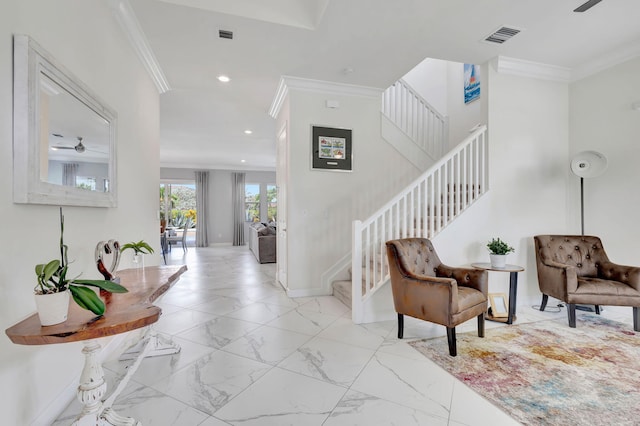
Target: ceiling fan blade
586, 6
63, 147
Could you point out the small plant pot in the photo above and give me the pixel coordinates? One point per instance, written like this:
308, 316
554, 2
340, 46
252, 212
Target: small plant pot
138, 260
498, 261
52, 308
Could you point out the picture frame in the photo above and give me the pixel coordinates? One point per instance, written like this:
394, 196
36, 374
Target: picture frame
471, 82
331, 149
499, 305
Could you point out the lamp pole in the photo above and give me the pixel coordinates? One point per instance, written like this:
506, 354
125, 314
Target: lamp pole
582, 205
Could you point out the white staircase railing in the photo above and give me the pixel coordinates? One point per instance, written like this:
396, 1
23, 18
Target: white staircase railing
423, 209
416, 118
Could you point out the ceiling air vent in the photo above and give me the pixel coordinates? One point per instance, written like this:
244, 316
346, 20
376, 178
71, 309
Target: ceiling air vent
501, 35
226, 34
586, 6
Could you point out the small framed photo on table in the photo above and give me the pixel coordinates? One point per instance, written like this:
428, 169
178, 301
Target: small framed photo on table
498, 303
331, 148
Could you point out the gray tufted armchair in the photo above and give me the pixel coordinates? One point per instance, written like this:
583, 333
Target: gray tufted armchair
426, 289
576, 269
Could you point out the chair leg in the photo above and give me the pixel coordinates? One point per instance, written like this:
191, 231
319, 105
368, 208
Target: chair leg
481, 325
451, 338
571, 312
400, 326
597, 309
636, 318
545, 299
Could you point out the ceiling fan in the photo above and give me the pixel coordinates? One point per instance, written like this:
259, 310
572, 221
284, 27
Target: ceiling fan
79, 147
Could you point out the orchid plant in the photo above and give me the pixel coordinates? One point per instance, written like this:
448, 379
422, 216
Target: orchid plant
52, 278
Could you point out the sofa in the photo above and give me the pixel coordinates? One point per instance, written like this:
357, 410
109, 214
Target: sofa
262, 241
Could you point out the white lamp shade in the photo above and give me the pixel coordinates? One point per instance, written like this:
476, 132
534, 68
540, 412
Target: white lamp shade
588, 164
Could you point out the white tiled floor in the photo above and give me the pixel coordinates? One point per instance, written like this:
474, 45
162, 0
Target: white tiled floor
252, 356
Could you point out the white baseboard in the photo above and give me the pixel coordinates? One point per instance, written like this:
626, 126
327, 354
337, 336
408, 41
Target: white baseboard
308, 292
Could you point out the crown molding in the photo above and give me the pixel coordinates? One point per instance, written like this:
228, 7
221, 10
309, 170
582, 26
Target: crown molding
618, 56
519, 67
130, 25
278, 99
317, 86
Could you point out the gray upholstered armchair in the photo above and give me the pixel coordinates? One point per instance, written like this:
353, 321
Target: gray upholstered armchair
426, 289
575, 269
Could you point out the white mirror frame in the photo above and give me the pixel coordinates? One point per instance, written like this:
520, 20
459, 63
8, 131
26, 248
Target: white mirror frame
29, 61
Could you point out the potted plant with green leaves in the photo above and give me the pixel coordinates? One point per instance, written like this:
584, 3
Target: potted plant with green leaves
53, 288
498, 251
139, 248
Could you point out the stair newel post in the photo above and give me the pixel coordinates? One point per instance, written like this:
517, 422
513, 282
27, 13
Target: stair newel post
356, 272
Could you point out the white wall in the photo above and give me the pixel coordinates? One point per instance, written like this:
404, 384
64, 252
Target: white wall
430, 79
220, 227
602, 120
528, 148
441, 84
322, 204
82, 35
463, 117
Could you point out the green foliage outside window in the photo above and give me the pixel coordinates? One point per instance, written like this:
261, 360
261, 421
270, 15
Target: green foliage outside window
272, 203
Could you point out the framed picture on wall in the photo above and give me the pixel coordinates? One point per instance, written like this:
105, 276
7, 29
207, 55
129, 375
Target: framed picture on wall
331, 148
471, 82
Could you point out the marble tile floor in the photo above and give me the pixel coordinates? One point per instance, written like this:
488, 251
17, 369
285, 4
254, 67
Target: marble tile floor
253, 356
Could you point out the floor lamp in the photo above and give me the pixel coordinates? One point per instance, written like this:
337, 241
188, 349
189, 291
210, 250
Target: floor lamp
587, 164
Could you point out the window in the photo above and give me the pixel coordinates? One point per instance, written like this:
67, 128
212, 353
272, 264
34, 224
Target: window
178, 203
252, 202
83, 182
272, 203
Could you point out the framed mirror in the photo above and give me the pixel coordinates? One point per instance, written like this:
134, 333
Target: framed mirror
64, 136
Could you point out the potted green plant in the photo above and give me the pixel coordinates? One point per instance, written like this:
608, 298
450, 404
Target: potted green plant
498, 251
139, 248
54, 288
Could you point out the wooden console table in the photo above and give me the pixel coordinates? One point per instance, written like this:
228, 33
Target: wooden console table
124, 312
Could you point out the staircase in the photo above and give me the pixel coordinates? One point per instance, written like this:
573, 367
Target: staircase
426, 128
422, 209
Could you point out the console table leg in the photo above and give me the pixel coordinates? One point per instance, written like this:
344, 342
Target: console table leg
152, 345
158, 346
92, 386
91, 390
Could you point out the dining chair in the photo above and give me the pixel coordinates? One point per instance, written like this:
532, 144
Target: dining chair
181, 238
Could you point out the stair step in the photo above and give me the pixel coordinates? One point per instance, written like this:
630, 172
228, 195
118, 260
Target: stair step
342, 291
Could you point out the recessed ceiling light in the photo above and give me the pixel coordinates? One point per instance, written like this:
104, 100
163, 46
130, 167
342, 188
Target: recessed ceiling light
248, 132
243, 161
224, 78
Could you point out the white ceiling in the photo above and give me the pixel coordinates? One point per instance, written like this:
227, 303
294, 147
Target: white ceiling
203, 120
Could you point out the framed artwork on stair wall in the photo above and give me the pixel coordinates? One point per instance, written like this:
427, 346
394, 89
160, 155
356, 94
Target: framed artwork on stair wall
471, 82
331, 149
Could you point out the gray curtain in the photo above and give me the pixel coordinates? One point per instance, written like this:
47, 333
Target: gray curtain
238, 208
202, 202
69, 173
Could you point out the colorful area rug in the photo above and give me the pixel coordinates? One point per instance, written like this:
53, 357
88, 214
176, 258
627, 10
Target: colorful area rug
546, 373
